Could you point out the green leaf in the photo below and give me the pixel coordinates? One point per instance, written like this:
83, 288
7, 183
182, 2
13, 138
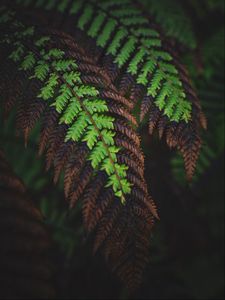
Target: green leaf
126, 51
108, 137
96, 25
64, 65
41, 71
116, 42
104, 37
62, 99
103, 121
71, 112
91, 137
42, 41
54, 54
28, 62
85, 90
98, 154
48, 90
78, 128
17, 54
85, 17
95, 106
72, 77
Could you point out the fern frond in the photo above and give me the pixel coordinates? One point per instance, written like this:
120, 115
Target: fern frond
24, 262
80, 109
211, 90
139, 60
85, 119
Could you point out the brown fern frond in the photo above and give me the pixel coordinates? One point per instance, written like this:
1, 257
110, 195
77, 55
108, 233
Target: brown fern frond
106, 224
124, 128
127, 65
190, 146
90, 200
80, 185
162, 124
154, 117
145, 106
101, 205
122, 112
73, 168
50, 121
128, 144
134, 244
103, 201
56, 140
126, 83
61, 158
8, 95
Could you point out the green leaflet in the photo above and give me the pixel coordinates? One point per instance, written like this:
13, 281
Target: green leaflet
96, 25
79, 105
41, 70
47, 92
86, 16
122, 30
115, 44
105, 35
139, 57
126, 51
29, 62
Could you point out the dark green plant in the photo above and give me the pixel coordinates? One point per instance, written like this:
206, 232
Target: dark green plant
143, 65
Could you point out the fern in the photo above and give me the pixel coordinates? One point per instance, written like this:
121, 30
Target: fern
88, 131
123, 51
132, 24
85, 113
211, 89
25, 268
142, 65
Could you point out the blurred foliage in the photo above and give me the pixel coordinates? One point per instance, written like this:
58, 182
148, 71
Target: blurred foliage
209, 82
174, 19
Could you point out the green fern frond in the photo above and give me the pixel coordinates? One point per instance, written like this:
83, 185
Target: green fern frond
80, 105
122, 30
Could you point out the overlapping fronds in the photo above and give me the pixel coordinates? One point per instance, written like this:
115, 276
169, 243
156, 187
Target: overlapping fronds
88, 132
142, 64
25, 268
